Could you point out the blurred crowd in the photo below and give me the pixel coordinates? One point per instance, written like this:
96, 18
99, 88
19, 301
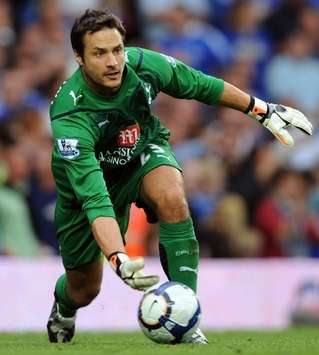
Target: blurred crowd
249, 196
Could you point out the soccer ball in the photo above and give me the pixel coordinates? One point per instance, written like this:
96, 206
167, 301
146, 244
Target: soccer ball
169, 313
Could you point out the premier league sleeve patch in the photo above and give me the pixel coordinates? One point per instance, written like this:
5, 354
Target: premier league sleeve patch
68, 148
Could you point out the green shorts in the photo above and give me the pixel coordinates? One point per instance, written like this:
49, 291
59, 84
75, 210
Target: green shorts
77, 244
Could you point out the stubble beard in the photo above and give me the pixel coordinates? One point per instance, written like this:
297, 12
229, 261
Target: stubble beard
100, 86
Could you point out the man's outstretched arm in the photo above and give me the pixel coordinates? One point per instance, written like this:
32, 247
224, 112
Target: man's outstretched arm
181, 81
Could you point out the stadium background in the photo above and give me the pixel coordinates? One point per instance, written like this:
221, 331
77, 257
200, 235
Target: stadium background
254, 203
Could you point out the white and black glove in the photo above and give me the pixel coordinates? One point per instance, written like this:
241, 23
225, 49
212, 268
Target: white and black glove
131, 271
277, 118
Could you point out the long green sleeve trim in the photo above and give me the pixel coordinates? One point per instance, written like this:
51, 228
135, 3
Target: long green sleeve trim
94, 213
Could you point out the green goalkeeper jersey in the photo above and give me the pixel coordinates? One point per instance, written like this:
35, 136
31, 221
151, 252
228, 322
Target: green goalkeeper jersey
95, 134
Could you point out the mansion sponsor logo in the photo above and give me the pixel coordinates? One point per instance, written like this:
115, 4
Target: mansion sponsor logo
118, 156
128, 136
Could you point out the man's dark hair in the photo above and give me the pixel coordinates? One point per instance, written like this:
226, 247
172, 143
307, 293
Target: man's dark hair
92, 21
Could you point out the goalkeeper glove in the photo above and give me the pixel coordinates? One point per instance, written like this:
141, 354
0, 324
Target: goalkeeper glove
131, 271
277, 118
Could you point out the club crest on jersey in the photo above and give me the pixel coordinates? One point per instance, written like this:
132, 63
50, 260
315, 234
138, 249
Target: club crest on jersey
128, 136
68, 148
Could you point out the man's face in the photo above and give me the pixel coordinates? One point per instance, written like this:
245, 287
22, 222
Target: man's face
103, 60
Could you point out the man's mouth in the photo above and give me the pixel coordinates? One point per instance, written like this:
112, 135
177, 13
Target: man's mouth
112, 75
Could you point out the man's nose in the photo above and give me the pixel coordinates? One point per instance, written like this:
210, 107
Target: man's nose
111, 60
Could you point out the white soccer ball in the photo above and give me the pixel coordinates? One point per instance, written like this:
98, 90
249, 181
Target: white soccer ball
169, 313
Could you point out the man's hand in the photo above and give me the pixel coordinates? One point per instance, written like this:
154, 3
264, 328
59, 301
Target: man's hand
131, 271
277, 118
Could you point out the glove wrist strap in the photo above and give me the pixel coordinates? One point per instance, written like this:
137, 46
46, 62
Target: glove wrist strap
116, 259
257, 109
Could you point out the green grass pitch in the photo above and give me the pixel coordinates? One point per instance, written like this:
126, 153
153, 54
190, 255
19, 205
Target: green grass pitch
300, 341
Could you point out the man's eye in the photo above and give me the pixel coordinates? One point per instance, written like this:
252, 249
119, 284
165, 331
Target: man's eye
118, 50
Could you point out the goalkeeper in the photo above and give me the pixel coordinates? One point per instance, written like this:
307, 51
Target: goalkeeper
111, 151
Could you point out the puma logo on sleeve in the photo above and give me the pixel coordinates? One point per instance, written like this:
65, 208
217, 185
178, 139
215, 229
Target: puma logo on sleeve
75, 98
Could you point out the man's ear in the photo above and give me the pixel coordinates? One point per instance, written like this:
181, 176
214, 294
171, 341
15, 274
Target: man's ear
78, 58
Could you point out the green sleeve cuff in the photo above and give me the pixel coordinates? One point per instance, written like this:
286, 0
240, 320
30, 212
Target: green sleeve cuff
93, 213
218, 89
